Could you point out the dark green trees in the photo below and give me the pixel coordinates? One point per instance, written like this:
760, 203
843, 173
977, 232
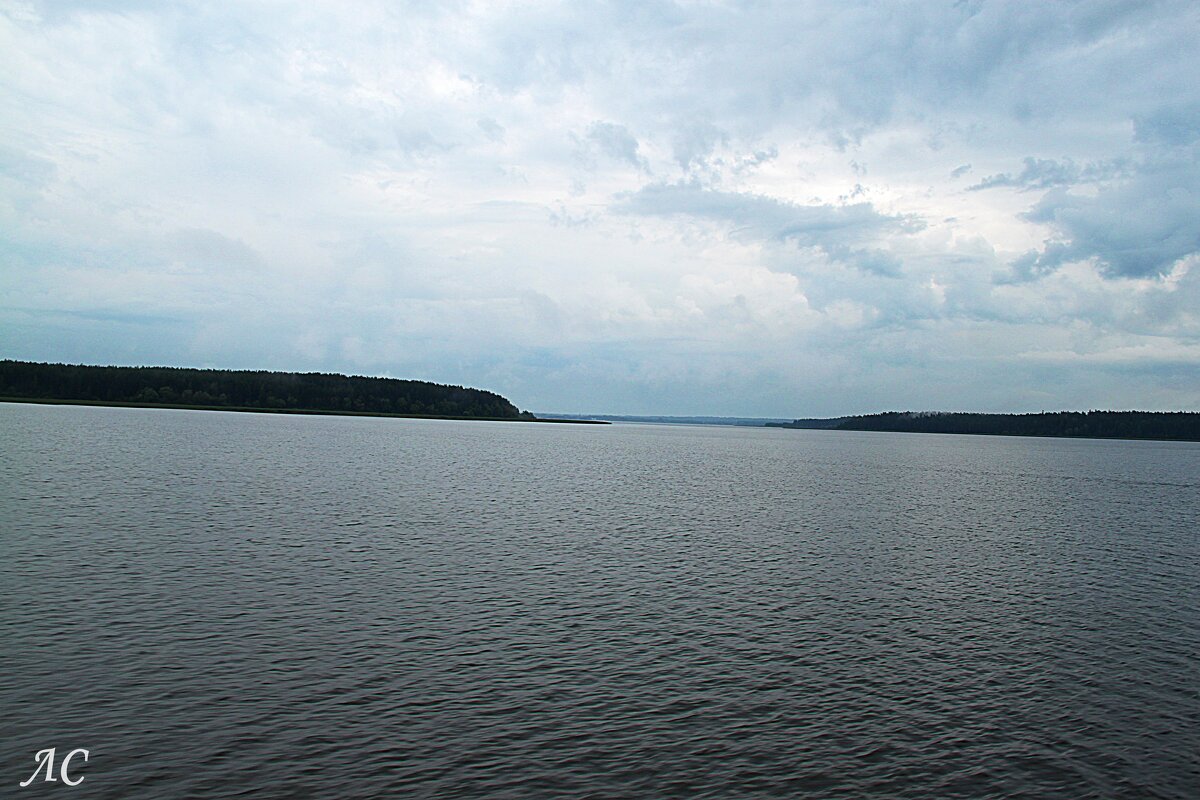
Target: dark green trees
1094, 424
312, 391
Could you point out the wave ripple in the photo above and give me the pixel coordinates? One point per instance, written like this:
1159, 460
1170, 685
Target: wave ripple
239, 605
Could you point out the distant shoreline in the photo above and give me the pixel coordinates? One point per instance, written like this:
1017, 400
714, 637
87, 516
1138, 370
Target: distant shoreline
299, 411
727, 422
1164, 426
1009, 435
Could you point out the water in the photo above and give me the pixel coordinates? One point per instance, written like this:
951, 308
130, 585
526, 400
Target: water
243, 605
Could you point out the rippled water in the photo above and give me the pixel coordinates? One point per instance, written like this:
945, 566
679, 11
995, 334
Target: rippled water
221, 605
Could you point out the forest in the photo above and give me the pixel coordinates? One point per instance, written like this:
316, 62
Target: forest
247, 390
1092, 424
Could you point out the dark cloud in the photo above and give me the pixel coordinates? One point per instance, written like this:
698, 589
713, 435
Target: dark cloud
693, 142
1047, 173
1171, 125
1137, 229
756, 159
844, 233
616, 142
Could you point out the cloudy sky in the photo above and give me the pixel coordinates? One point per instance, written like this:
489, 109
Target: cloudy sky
792, 209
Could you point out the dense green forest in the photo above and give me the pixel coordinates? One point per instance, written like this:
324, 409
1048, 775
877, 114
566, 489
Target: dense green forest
219, 388
1094, 424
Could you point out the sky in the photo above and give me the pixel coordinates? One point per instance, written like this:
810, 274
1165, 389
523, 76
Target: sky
750, 209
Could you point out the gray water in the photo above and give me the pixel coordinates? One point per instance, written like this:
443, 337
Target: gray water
245, 605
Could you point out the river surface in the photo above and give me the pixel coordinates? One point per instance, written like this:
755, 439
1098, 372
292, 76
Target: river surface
249, 605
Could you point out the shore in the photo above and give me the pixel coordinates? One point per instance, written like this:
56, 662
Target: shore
303, 411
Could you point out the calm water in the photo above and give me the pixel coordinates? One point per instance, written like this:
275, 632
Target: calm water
240, 605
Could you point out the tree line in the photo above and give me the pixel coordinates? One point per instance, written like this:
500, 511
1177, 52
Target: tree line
1092, 424
220, 388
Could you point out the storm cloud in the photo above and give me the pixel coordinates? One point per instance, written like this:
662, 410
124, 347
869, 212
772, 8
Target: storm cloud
840, 231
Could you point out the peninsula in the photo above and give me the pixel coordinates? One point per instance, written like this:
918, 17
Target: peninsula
245, 390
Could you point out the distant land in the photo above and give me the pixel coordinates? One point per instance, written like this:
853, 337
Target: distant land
749, 422
331, 393
830, 423
1177, 425
247, 390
